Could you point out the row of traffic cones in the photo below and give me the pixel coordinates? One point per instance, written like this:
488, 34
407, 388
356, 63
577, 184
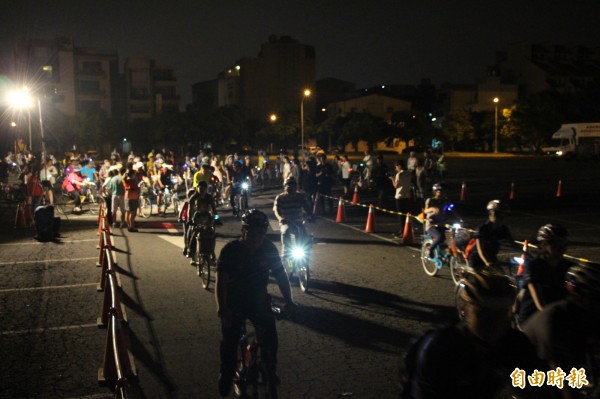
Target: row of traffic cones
511, 195
408, 236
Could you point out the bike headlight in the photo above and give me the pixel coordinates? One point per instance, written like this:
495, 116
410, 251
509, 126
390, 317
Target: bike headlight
298, 253
456, 226
518, 260
245, 186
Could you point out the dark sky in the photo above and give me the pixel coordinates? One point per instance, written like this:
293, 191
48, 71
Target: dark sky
368, 42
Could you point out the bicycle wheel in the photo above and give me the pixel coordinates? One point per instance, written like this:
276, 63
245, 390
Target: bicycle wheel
204, 271
304, 276
198, 262
429, 265
458, 266
145, 207
460, 302
175, 202
262, 386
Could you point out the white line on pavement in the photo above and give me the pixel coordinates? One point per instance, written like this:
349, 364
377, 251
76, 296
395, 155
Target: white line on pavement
46, 260
49, 287
44, 329
43, 243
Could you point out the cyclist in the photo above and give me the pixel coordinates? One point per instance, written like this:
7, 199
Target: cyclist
566, 331
289, 208
483, 249
243, 272
435, 211
168, 180
236, 179
200, 203
204, 174
544, 275
475, 358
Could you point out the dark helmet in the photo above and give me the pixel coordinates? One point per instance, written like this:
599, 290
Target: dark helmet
553, 233
497, 206
487, 288
583, 282
255, 218
290, 181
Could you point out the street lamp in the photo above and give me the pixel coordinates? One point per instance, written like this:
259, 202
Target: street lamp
496, 99
273, 117
305, 94
21, 99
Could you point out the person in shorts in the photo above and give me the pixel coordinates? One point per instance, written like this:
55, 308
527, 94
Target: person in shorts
132, 196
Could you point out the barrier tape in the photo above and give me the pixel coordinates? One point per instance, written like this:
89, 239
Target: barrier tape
345, 201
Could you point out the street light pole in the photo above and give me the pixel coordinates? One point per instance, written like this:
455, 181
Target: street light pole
41, 127
305, 94
496, 99
29, 126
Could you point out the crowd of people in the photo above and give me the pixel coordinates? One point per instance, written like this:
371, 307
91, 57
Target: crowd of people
548, 321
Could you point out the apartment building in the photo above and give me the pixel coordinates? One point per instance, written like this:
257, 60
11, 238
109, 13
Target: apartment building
151, 88
76, 78
271, 82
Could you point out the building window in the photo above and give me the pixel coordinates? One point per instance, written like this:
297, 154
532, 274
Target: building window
89, 106
91, 67
139, 93
89, 87
139, 78
389, 110
139, 109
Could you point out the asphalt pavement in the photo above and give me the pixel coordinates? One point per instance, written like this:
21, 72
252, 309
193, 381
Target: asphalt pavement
369, 299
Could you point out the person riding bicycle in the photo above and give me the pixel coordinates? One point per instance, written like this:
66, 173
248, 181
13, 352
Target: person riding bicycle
475, 358
290, 207
204, 174
565, 332
201, 205
544, 275
243, 271
237, 178
168, 180
435, 212
485, 245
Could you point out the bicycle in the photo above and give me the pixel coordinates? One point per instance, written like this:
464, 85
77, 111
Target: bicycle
252, 378
240, 202
145, 205
204, 226
298, 259
447, 254
167, 199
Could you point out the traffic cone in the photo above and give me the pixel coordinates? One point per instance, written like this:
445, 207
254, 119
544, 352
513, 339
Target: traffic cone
559, 189
341, 214
511, 196
317, 206
20, 222
370, 227
355, 199
408, 237
463, 192
521, 268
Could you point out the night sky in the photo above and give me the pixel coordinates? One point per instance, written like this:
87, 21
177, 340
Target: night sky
368, 42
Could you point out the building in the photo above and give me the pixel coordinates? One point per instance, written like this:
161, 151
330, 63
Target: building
540, 67
77, 78
374, 104
271, 82
151, 88
476, 97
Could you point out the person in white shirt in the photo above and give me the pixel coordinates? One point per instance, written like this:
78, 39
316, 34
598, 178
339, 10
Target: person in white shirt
48, 175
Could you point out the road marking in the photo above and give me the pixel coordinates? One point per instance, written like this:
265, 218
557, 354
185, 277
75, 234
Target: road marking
49, 287
44, 329
46, 261
44, 243
94, 396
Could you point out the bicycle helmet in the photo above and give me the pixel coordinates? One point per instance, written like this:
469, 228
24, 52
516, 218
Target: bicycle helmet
553, 233
487, 288
290, 181
583, 282
437, 187
497, 206
255, 218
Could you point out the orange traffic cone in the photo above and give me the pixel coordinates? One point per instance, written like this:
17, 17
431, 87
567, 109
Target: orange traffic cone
463, 192
355, 199
521, 268
20, 222
317, 206
511, 196
559, 189
408, 237
341, 214
370, 227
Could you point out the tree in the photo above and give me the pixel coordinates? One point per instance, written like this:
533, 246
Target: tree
458, 127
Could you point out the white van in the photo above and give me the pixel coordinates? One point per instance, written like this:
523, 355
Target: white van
575, 140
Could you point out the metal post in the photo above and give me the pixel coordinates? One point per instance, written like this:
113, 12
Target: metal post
302, 126
496, 128
29, 123
41, 128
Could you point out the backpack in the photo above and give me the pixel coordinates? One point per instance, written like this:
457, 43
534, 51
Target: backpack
46, 225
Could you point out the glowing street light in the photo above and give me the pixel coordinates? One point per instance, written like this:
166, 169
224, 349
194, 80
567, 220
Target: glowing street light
305, 94
273, 117
496, 100
21, 99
